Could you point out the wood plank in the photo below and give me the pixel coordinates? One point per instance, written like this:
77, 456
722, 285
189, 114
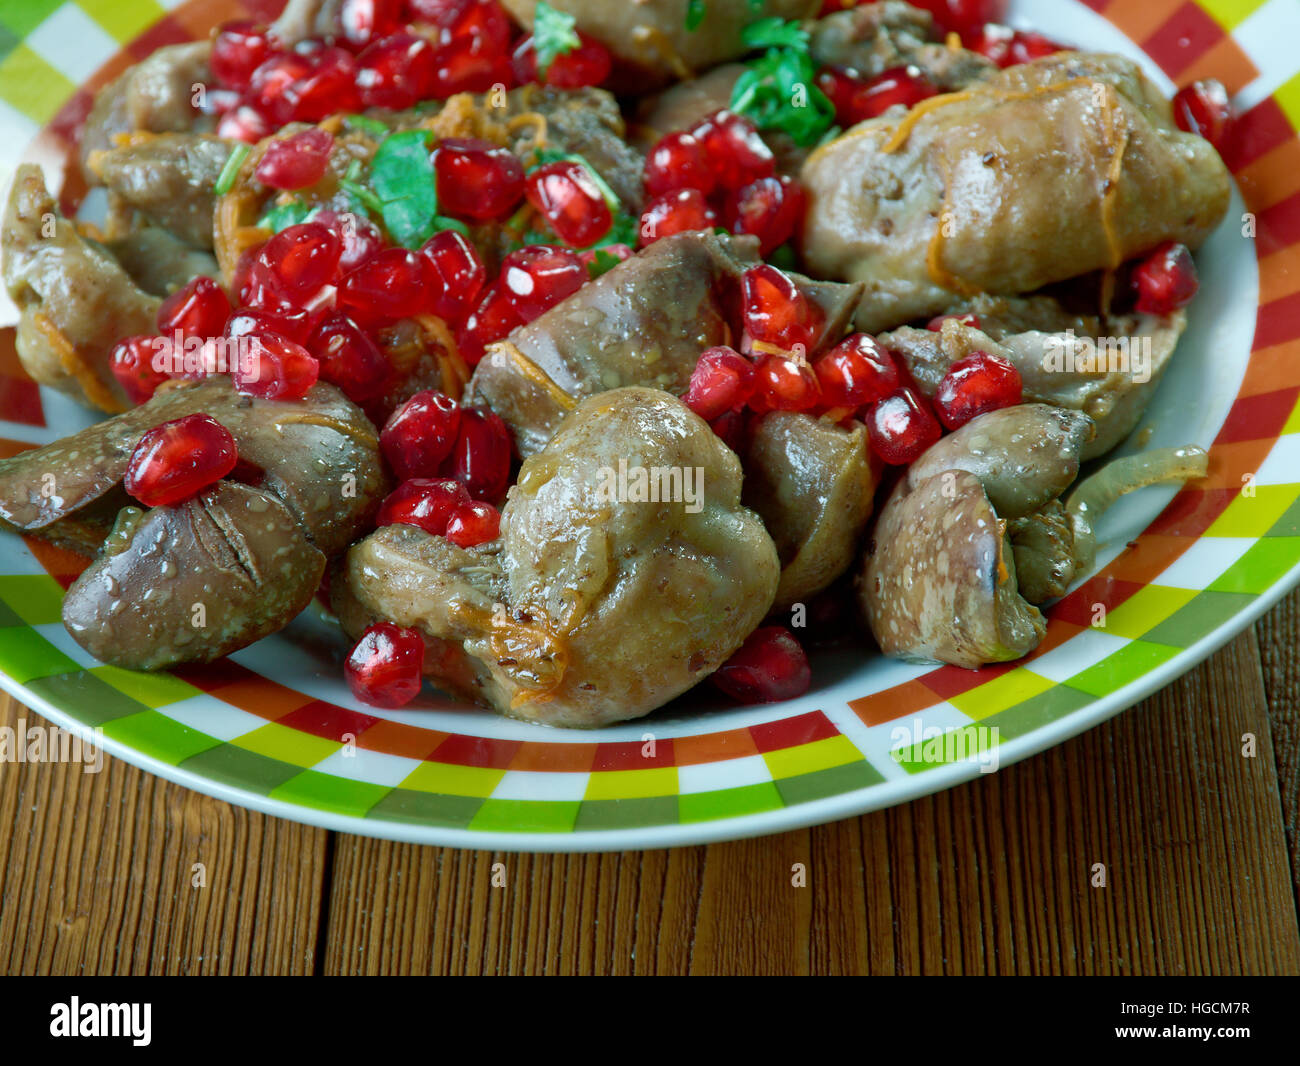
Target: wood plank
1279, 642
96, 875
992, 877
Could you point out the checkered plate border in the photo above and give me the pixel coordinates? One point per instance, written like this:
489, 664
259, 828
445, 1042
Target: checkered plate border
1211, 562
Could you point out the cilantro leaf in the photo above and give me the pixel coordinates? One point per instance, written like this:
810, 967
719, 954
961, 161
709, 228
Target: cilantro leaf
553, 35
402, 177
282, 216
775, 33
695, 12
366, 124
602, 262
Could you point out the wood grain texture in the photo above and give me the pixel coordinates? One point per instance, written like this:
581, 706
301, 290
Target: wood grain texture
1279, 639
993, 877
97, 871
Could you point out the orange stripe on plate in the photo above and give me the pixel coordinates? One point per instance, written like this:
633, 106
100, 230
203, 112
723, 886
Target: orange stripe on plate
714, 747
1150, 556
1272, 177
1279, 274
1270, 369
1140, 21
1225, 61
262, 697
1231, 460
907, 698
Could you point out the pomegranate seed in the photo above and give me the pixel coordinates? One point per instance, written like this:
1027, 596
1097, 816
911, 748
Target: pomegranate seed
729, 427
296, 325
723, 380
770, 208
132, 364
238, 49
456, 274
676, 212
900, 85
393, 284
775, 311
484, 20
841, 86
279, 369
269, 84
901, 427
218, 101
962, 16
397, 72
296, 162
244, 123
477, 179
302, 259
481, 455
1008, 47
588, 64
968, 319
177, 459
677, 162
197, 309
570, 201
363, 21
493, 319
420, 434
1203, 108
785, 385
734, 149
1165, 280
975, 385
474, 524
770, 666
857, 371
470, 65
425, 502
349, 358
385, 667
538, 277
361, 237
327, 88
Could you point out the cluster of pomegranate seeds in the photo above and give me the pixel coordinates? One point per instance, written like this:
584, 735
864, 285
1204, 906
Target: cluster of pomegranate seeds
974, 386
349, 358
177, 459
442, 507
296, 325
1165, 280
419, 435
290, 270
197, 309
362, 21
131, 362
385, 667
278, 369
857, 98
1203, 108
770, 666
901, 427
238, 49
477, 180
963, 16
361, 237
723, 380
774, 312
720, 169
857, 371
295, 162
565, 194
393, 283
1008, 47
538, 277
588, 64
397, 72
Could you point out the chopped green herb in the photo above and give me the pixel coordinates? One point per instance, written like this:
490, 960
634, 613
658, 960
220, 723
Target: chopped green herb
229, 172
777, 90
442, 222
695, 12
553, 35
402, 176
784, 258
775, 33
366, 124
602, 262
282, 216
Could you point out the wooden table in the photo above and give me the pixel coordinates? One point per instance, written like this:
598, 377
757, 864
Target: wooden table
1200, 846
